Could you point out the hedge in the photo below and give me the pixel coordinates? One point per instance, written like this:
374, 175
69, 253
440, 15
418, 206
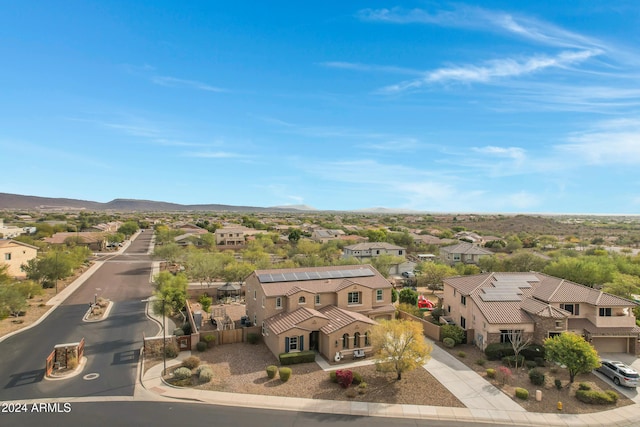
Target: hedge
300, 357
497, 351
522, 393
608, 397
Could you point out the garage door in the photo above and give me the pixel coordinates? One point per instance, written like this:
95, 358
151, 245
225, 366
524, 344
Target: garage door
610, 345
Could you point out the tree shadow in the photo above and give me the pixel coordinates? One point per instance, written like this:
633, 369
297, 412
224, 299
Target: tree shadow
24, 378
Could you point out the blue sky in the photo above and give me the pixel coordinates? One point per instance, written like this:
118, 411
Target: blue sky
491, 106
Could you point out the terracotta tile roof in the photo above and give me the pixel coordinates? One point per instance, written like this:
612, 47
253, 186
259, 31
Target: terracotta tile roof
539, 308
376, 281
389, 308
554, 289
84, 236
467, 284
339, 318
466, 248
283, 322
373, 245
581, 323
9, 242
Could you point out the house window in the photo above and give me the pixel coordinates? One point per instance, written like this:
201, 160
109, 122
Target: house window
263, 301
367, 339
463, 322
302, 300
279, 302
356, 340
506, 334
264, 330
571, 308
255, 295
354, 298
605, 311
463, 300
293, 343
454, 292
558, 324
456, 257
255, 319
345, 341
449, 309
316, 300
7, 257
379, 295
400, 252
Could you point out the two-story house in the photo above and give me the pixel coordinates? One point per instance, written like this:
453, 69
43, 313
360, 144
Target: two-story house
491, 306
464, 252
368, 250
230, 236
14, 254
327, 309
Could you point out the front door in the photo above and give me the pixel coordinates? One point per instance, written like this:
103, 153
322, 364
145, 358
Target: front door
314, 339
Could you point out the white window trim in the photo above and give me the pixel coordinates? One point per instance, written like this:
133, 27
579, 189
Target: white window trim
379, 295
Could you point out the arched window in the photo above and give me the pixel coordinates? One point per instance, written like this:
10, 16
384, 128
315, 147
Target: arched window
302, 300
367, 339
345, 341
356, 340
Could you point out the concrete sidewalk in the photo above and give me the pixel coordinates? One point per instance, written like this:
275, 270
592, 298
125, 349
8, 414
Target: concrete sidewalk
485, 403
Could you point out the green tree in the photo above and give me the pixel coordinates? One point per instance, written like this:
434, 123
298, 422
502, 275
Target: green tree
399, 346
587, 271
431, 274
379, 235
172, 289
408, 296
623, 285
383, 263
128, 228
572, 351
171, 252
294, 235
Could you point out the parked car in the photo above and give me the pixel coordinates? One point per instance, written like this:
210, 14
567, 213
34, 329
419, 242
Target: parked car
408, 274
620, 373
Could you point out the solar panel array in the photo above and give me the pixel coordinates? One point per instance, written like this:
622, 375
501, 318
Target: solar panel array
315, 275
507, 287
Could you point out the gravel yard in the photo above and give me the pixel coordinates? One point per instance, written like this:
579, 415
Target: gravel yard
240, 368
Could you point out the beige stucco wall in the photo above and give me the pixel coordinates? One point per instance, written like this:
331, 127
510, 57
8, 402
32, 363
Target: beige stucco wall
19, 255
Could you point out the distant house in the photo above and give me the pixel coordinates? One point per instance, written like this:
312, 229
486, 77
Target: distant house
14, 254
9, 231
95, 241
368, 250
327, 309
230, 236
106, 227
464, 252
490, 306
323, 235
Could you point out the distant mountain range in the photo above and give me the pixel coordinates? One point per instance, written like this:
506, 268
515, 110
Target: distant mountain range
17, 201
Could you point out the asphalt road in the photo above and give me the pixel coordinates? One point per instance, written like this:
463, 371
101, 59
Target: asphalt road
111, 346
159, 414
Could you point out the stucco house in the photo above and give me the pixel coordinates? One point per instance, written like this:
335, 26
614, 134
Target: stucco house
368, 250
14, 254
327, 309
230, 236
323, 235
464, 252
490, 306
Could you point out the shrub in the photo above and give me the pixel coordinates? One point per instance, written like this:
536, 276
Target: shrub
205, 301
532, 351
504, 374
497, 351
191, 362
357, 378
491, 373
553, 369
182, 373
453, 331
597, 397
536, 377
481, 362
209, 339
351, 392
285, 374
362, 387
411, 309
205, 375
510, 361
449, 342
540, 361
522, 393
172, 350
201, 346
178, 332
584, 386
306, 356
344, 377
333, 377
558, 383
271, 371
530, 364
253, 338
186, 327
462, 354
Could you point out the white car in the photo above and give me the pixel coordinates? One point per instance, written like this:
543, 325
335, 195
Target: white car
620, 373
408, 274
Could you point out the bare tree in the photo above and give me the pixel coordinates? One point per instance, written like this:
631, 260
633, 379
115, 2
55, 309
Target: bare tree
518, 343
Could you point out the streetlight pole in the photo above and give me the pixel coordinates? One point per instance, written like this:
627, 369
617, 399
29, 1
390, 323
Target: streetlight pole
56, 272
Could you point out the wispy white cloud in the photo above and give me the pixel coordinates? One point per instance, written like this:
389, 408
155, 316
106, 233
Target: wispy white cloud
515, 153
394, 145
212, 154
191, 84
370, 67
463, 16
502, 68
612, 142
